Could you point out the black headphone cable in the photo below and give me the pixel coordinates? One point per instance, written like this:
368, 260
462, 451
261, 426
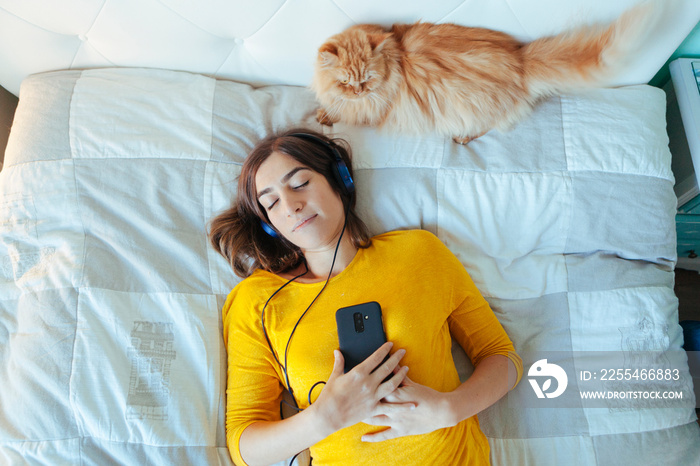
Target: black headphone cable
286, 350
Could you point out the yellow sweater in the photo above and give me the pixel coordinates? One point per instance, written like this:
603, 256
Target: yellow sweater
425, 295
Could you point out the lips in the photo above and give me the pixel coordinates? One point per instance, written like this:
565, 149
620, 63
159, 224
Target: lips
303, 222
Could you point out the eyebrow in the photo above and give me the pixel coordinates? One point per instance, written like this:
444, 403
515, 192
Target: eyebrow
284, 179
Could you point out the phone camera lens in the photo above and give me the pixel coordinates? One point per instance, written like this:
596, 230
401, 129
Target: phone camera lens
359, 324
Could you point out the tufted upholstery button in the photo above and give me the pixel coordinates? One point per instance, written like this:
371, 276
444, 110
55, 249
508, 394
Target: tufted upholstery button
82, 37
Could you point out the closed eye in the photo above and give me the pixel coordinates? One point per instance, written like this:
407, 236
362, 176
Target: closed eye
274, 203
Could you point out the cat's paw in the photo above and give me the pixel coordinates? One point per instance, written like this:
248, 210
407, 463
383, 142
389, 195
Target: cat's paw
325, 119
464, 140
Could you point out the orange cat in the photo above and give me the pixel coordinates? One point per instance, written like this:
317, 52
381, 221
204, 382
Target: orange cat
462, 81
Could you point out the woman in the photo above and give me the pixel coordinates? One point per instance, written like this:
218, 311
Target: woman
294, 234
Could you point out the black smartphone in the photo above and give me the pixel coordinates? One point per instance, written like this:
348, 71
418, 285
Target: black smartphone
360, 332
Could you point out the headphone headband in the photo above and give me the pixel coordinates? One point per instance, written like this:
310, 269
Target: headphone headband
339, 168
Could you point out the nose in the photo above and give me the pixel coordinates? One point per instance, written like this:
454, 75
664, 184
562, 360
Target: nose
292, 204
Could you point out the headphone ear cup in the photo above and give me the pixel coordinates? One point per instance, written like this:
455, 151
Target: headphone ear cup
342, 174
338, 167
267, 228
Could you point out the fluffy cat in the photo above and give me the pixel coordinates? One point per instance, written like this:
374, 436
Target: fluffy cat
462, 81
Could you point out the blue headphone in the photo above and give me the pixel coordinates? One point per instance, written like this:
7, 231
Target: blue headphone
339, 169
268, 229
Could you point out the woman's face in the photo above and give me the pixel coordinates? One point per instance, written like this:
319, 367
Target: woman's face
299, 202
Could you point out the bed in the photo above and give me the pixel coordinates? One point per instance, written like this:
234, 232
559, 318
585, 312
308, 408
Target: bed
133, 121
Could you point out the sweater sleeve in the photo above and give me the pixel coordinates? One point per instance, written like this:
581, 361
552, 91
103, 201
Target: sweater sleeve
253, 390
481, 335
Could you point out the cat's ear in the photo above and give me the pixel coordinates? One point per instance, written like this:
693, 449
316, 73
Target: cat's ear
328, 55
377, 41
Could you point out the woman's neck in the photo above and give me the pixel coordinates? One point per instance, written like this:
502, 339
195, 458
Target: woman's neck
319, 262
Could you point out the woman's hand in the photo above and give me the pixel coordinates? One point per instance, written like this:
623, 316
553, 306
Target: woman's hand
347, 399
492, 378
432, 412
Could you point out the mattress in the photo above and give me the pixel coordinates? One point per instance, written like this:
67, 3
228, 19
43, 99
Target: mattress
111, 344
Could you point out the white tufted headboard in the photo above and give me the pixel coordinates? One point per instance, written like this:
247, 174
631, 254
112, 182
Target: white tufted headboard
275, 41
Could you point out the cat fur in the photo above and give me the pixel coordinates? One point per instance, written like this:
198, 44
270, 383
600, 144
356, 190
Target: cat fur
463, 81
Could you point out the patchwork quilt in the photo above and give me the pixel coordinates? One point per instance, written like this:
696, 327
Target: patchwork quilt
111, 347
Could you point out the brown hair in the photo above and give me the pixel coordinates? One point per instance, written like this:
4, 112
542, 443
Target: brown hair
237, 233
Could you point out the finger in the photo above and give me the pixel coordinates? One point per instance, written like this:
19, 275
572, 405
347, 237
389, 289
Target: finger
380, 436
338, 365
407, 381
388, 387
393, 409
396, 396
378, 420
388, 366
376, 358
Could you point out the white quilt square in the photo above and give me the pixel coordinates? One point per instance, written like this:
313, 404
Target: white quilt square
631, 324
220, 185
160, 115
373, 148
146, 367
509, 229
397, 199
599, 137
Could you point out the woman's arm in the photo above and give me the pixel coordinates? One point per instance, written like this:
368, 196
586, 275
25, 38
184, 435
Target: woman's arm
490, 381
346, 399
265, 442
495, 376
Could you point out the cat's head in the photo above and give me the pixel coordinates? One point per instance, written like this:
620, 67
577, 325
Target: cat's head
354, 64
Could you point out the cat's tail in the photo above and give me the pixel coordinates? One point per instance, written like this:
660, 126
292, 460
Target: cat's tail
588, 56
